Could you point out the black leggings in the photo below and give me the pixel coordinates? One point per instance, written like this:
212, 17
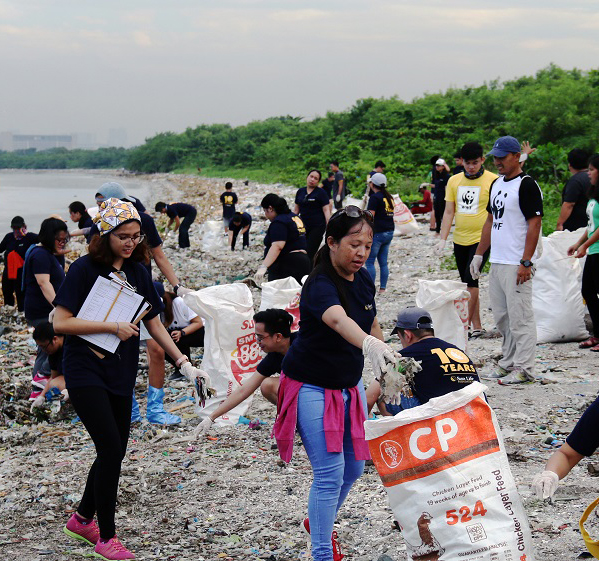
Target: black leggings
195, 339
296, 264
439, 207
590, 288
107, 418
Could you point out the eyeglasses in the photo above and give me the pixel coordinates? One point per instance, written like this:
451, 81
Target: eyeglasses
45, 347
354, 211
63, 241
138, 238
261, 338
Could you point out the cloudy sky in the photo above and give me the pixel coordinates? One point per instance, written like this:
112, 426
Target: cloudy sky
148, 66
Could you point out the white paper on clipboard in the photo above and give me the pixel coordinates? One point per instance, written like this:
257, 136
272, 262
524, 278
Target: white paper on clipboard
109, 301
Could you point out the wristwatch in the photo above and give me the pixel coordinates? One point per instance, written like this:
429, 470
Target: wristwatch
175, 288
182, 333
526, 262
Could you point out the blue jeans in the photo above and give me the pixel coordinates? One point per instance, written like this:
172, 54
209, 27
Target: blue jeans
334, 472
380, 250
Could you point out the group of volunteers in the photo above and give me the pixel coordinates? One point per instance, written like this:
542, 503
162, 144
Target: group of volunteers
332, 251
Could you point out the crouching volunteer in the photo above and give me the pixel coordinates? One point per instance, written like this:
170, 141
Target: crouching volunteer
273, 333
321, 389
100, 389
445, 368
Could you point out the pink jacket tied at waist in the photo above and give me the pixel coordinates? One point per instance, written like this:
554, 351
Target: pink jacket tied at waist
334, 419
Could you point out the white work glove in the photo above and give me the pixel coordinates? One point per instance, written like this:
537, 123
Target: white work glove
51, 315
191, 373
545, 484
379, 354
475, 266
260, 274
203, 427
65, 394
338, 198
439, 247
38, 402
181, 291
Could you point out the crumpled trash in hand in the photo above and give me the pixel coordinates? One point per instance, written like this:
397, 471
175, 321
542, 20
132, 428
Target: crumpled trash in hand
399, 380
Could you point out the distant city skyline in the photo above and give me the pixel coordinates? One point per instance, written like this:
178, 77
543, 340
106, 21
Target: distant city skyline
156, 67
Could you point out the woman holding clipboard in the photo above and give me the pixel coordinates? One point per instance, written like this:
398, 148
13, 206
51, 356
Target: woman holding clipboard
100, 389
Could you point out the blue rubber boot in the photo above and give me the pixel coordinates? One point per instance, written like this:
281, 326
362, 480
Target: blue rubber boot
135, 415
155, 410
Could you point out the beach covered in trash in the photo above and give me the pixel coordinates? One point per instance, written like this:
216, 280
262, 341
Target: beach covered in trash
228, 495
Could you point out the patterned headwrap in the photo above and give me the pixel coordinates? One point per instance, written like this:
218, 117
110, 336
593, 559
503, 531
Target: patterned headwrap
113, 213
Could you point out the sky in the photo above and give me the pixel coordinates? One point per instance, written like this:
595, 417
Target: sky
148, 67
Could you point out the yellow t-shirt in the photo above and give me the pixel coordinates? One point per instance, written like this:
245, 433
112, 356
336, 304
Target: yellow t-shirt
470, 197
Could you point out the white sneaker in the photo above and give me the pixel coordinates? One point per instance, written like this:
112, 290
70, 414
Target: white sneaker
516, 376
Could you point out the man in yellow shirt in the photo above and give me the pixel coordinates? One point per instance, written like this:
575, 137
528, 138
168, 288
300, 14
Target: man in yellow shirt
466, 197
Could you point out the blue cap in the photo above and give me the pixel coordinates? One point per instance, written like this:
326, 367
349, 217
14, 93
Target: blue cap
413, 318
504, 146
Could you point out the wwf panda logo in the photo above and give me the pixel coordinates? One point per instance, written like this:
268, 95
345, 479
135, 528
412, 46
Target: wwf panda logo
498, 205
468, 198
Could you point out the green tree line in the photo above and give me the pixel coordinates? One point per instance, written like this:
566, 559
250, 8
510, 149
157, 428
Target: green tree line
61, 158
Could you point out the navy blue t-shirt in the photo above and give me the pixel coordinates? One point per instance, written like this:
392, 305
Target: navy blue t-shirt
319, 355
383, 212
445, 368
327, 185
584, 439
137, 204
10, 243
246, 220
40, 262
287, 228
86, 222
81, 366
271, 363
311, 206
228, 200
178, 209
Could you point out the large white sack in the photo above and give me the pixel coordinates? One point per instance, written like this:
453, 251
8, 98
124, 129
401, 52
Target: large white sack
404, 220
212, 236
353, 201
556, 298
447, 303
231, 352
448, 480
283, 294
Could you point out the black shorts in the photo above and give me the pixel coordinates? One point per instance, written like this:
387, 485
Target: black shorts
463, 258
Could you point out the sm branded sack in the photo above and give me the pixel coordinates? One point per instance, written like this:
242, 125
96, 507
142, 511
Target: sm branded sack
231, 352
283, 294
448, 480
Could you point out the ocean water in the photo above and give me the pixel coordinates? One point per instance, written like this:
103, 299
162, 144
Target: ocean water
35, 195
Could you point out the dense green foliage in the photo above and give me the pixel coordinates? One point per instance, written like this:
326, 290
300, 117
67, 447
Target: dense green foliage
61, 158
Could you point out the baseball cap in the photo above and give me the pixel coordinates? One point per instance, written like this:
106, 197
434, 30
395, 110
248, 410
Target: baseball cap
505, 145
378, 179
413, 318
440, 162
112, 190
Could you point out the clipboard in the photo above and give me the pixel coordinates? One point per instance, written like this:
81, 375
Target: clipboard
113, 300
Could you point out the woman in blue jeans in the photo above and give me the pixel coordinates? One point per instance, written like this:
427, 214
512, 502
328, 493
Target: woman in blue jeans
321, 391
381, 205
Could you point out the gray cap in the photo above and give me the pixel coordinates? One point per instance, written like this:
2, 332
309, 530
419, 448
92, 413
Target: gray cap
413, 318
112, 189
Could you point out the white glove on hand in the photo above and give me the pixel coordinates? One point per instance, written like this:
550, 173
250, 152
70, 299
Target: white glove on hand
65, 395
338, 198
440, 247
191, 373
260, 274
203, 427
545, 484
38, 402
51, 315
475, 266
181, 291
378, 353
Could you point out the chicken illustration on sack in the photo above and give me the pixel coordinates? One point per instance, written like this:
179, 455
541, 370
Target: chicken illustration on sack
449, 484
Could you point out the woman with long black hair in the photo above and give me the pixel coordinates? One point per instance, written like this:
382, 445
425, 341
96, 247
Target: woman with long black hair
321, 390
285, 247
100, 389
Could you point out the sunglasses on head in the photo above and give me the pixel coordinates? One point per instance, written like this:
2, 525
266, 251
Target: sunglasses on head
354, 211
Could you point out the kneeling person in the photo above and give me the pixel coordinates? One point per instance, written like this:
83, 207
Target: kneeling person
445, 368
273, 333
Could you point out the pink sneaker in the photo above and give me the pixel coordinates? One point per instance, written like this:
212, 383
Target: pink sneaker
112, 550
39, 381
88, 533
